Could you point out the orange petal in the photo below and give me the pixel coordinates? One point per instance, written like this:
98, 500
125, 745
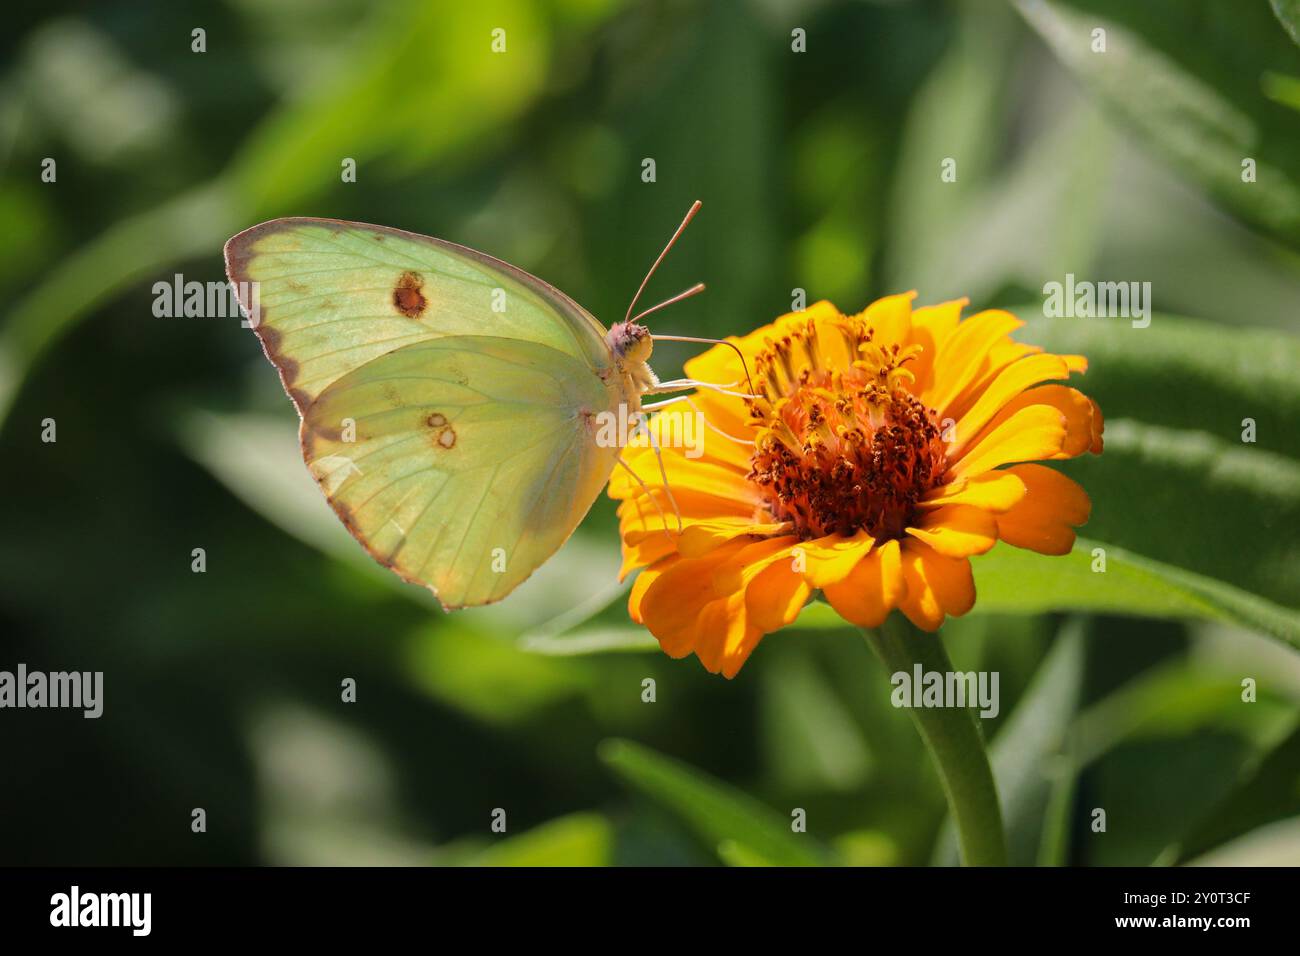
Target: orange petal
939, 321
723, 638
991, 491
1010, 382
936, 586
874, 586
1083, 422
671, 604
1034, 432
752, 557
891, 318
703, 475
724, 635
645, 552
1045, 519
706, 424
723, 421
649, 533
775, 597
641, 585
957, 530
738, 649
1001, 355
703, 536
959, 360
931, 326
831, 558
1098, 424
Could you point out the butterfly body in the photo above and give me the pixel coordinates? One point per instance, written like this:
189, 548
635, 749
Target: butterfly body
449, 402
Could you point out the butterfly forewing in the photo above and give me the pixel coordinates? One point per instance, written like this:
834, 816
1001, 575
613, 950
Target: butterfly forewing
330, 296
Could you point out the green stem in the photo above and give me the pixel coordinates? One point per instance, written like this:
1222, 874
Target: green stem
955, 743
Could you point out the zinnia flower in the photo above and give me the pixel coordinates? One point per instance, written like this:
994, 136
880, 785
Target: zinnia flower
882, 451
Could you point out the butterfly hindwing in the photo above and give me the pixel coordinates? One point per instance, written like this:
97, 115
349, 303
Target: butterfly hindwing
463, 462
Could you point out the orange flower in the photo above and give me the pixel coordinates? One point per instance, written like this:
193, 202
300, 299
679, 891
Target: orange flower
870, 467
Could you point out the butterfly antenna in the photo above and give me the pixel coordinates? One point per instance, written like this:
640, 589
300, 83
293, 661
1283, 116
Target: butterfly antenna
690, 214
693, 290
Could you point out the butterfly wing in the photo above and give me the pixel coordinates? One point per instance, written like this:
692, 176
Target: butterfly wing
464, 462
328, 296
457, 443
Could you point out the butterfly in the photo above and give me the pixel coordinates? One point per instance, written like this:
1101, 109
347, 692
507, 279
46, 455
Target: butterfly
449, 402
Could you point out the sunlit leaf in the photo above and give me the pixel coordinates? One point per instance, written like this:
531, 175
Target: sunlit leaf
717, 812
1276, 844
581, 839
1187, 76
1288, 13
1008, 579
594, 640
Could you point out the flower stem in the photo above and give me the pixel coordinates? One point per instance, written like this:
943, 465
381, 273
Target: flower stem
954, 740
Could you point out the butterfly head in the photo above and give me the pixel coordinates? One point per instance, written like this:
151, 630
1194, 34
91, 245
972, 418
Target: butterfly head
630, 342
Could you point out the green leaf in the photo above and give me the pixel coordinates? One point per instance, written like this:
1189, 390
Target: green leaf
592, 640
1282, 89
1288, 14
717, 813
1177, 490
1004, 218
1166, 701
810, 738
1277, 844
733, 853
1010, 580
581, 839
1174, 725
1187, 76
1196, 501
1268, 791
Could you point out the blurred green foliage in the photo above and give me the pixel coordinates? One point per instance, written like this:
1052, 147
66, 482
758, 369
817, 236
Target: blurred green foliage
818, 170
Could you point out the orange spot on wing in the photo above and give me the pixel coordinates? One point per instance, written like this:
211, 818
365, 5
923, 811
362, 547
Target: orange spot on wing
444, 436
408, 298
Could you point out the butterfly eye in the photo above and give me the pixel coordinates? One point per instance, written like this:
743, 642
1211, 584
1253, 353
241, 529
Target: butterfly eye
642, 344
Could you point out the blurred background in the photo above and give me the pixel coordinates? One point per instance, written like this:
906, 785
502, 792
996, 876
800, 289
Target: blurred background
815, 133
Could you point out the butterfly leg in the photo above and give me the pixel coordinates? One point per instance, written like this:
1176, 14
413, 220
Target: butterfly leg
685, 384
641, 425
655, 406
644, 487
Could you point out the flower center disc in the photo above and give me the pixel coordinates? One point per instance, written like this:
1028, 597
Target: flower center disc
842, 445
